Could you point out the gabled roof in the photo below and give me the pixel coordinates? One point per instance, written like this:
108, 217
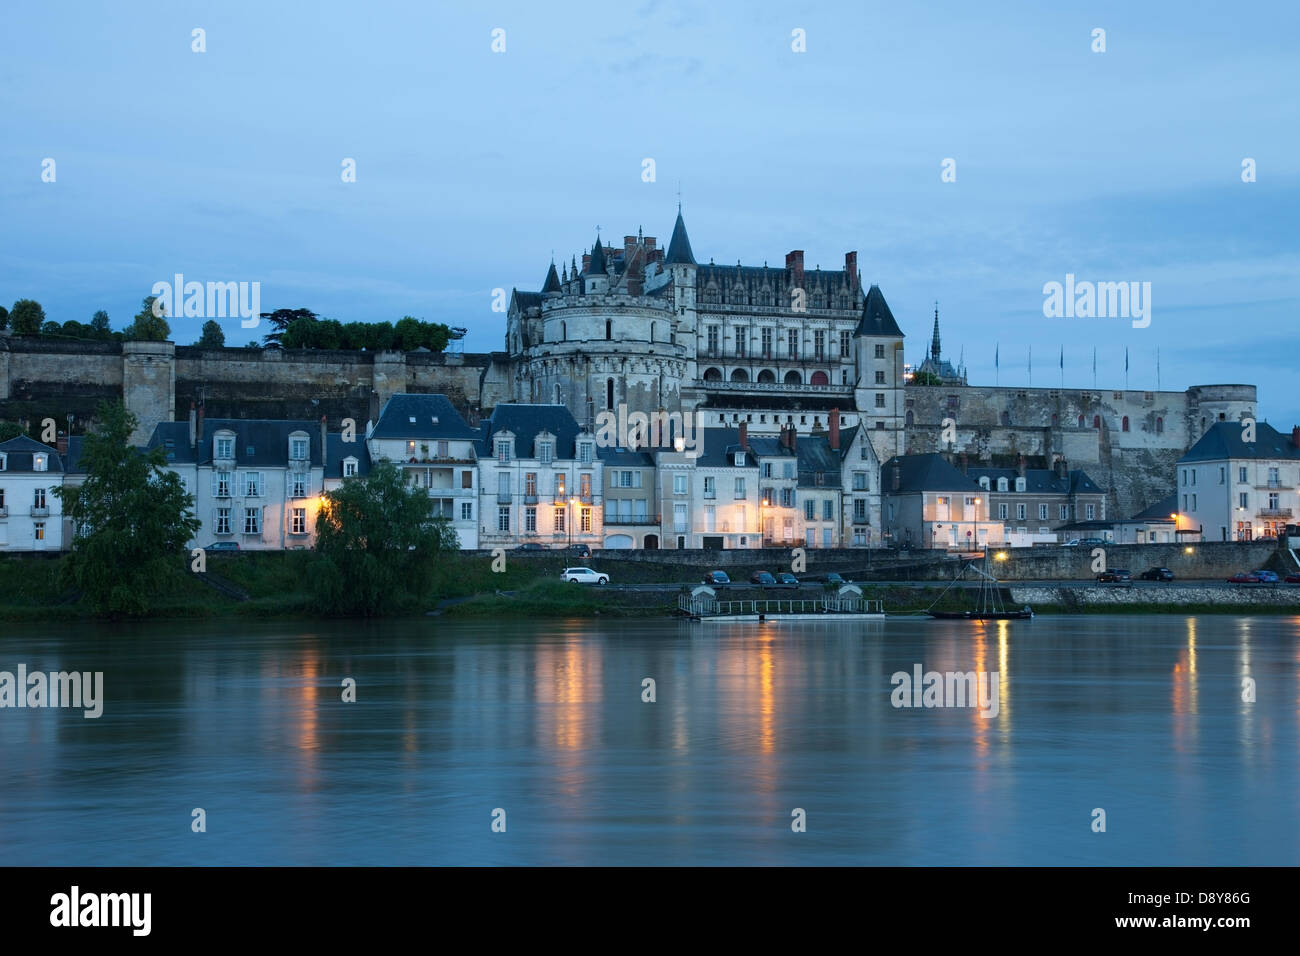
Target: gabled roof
917, 473
337, 450
876, 317
1224, 441
528, 300
18, 454
1040, 480
526, 422
816, 457
718, 447
679, 246
624, 457
408, 416
552, 283
258, 441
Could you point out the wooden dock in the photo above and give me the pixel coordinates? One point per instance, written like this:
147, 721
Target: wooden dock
846, 604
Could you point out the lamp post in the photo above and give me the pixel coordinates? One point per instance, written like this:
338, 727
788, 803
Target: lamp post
573, 503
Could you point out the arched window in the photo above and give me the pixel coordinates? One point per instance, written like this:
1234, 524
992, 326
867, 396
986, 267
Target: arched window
609, 329
1160, 426
911, 418
712, 375
1096, 422
1002, 484
1006, 418
739, 375
819, 378
792, 378
564, 331
557, 394
767, 375
1124, 424
984, 482
609, 393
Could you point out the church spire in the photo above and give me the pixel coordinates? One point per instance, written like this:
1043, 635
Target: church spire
934, 344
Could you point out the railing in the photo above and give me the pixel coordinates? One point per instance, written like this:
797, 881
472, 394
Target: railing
40, 512
504, 497
824, 605
4, 511
775, 387
530, 499
1274, 512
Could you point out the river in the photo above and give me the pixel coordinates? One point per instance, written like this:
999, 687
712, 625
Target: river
765, 744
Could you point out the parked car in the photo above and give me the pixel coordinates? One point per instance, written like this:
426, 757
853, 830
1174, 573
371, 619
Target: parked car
763, 579
1092, 542
223, 546
1157, 574
786, 579
583, 576
1267, 577
1072, 543
830, 577
532, 546
716, 577
1244, 577
1292, 579
579, 550
1115, 576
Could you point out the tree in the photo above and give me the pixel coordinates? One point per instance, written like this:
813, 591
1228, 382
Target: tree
280, 321
4, 317
10, 430
132, 518
148, 327
377, 541
212, 337
51, 328
924, 378
99, 323
26, 317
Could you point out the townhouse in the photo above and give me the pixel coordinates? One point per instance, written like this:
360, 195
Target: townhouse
541, 477
631, 500
709, 496
1034, 504
424, 436
1231, 488
31, 515
800, 493
930, 504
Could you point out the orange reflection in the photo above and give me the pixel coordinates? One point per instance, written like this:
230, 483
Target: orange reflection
981, 667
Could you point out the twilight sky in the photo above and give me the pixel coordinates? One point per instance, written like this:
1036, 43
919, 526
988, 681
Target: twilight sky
472, 166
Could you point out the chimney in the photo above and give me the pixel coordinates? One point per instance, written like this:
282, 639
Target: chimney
650, 243
629, 243
194, 436
1062, 470
198, 425
1020, 466
324, 443
794, 438
61, 443
744, 436
1295, 436
586, 261
794, 262
374, 406
835, 424
851, 268
965, 464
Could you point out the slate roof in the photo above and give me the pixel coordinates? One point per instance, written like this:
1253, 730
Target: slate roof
1039, 481
337, 449
624, 457
679, 246
529, 300
434, 418
1223, 441
919, 473
258, 441
719, 448
1160, 511
552, 283
876, 317
597, 265
526, 422
18, 454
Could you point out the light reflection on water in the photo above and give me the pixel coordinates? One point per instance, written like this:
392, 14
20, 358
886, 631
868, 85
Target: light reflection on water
1141, 716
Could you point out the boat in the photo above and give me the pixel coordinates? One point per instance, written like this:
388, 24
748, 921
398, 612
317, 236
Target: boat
988, 603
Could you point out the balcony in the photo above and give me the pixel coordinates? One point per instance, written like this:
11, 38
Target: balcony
1272, 484
1274, 512
504, 497
530, 498
40, 511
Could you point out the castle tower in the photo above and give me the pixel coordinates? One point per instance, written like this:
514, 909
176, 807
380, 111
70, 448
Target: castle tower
878, 392
682, 269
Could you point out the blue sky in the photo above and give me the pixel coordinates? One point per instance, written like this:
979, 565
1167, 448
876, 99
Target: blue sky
472, 166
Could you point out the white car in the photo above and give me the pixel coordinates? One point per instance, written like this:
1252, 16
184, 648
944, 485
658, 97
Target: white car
583, 576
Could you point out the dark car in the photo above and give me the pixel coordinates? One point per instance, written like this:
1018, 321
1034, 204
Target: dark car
762, 578
786, 579
1091, 542
832, 578
1115, 576
579, 550
223, 546
1157, 574
1244, 577
1292, 579
532, 546
717, 577
1267, 577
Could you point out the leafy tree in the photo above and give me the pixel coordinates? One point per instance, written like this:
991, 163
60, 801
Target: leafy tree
99, 323
253, 345
280, 321
132, 518
212, 337
10, 430
148, 327
51, 328
77, 330
26, 317
377, 541
409, 334
925, 378
4, 317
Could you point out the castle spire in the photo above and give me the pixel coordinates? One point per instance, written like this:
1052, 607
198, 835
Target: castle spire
679, 247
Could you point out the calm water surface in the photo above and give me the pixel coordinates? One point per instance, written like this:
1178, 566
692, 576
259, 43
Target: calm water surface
1141, 716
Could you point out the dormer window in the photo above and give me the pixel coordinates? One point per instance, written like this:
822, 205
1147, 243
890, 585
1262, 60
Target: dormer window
223, 447
546, 451
585, 452
740, 459
503, 449
40, 463
1020, 484
349, 467
984, 482
3, 462
298, 446
1002, 484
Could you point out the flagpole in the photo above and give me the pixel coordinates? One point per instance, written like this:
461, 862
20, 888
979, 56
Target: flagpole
1062, 367
1157, 368
1126, 369
1031, 366
1094, 368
